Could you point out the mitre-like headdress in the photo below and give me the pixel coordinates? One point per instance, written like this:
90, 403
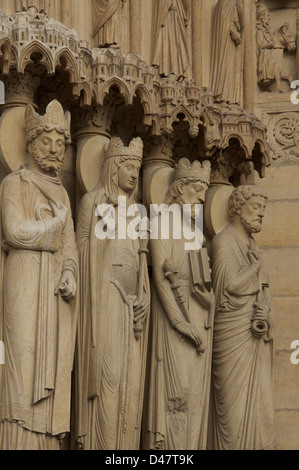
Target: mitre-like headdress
196, 170
54, 118
116, 148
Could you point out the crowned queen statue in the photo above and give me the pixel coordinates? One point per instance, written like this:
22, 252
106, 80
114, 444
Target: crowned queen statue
110, 359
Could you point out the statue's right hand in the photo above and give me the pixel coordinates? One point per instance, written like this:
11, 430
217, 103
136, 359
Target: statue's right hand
60, 211
188, 330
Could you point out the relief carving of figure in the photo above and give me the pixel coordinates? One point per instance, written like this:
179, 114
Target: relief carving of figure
270, 48
107, 23
227, 56
39, 4
38, 285
111, 355
178, 381
242, 369
170, 43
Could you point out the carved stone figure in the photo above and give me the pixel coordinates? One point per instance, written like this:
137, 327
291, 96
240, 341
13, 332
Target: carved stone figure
106, 21
242, 370
227, 51
178, 382
270, 47
25, 4
113, 324
38, 282
170, 40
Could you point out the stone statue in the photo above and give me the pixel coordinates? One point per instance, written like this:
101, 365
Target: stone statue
25, 4
242, 370
227, 54
170, 43
38, 281
113, 323
106, 22
270, 47
178, 382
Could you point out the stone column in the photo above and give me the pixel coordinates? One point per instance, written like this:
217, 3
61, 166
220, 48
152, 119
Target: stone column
90, 137
157, 156
135, 19
19, 91
250, 60
197, 39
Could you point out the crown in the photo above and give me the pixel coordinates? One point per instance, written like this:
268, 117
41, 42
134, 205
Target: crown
116, 148
54, 118
185, 169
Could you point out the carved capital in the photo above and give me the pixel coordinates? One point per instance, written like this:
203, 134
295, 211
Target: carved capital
20, 87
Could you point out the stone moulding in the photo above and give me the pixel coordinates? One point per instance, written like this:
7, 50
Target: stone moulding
29, 36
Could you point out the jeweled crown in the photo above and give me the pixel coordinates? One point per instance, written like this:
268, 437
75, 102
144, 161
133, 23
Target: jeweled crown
53, 118
116, 148
196, 170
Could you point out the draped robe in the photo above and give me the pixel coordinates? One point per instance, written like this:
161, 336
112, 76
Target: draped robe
110, 362
171, 50
178, 378
242, 378
226, 55
37, 326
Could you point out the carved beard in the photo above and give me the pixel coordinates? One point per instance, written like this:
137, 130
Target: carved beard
266, 23
252, 227
44, 162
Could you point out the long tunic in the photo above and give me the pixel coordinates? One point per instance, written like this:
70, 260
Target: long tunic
110, 362
178, 381
171, 50
242, 378
226, 56
38, 327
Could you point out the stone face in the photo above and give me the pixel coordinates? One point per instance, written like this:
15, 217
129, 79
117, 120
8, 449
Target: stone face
212, 80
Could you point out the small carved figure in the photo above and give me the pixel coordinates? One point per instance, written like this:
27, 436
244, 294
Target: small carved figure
38, 284
171, 51
40, 5
113, 321
227, 51
242, 369
178, 382
270, 48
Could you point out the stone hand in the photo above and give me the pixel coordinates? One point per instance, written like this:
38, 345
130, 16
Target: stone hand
140, 308
60, 211
188, 330
236, 37
205, 296
67, 286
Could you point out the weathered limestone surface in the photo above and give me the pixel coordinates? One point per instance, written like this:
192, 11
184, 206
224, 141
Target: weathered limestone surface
126, 75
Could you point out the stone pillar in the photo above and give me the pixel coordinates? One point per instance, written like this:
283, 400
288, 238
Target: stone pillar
250, 60
19, 91
158, 155
136, 33
197, 39
90, 137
